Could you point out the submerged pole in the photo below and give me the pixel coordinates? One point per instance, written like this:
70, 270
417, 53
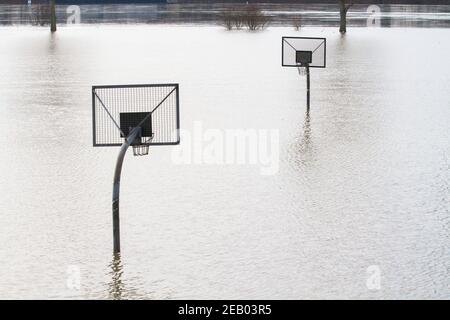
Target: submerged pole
116, 190
307, 88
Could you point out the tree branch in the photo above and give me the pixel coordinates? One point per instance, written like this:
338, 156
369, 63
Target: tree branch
348, 7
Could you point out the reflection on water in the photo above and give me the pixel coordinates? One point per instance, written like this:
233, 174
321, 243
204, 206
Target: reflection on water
123, 286
280, 14
307, 138
116, 286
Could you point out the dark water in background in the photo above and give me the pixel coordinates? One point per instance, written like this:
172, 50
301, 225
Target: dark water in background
280, 14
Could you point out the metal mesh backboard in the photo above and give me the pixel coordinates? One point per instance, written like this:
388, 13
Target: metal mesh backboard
154, 107
295, 48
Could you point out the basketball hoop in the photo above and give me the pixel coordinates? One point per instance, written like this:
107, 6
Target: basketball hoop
139, 116
304, 53
301, 69
140, 150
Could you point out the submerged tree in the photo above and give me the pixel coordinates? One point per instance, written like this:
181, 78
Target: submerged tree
52, 16
254, 18
251, 16
343, 13
40, 14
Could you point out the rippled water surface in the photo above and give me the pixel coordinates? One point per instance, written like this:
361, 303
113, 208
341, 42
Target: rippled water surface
362, 181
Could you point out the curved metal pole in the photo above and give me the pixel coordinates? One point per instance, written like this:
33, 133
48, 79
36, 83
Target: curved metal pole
116, 190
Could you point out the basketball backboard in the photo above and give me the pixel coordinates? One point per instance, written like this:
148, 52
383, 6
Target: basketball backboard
152, 108
299, 51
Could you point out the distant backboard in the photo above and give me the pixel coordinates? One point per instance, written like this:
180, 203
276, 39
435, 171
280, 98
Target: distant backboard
301, 50
154, 108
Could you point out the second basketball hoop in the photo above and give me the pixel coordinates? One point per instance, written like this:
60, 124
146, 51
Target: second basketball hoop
303, 53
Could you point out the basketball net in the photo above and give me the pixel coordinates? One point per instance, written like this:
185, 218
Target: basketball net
301, 69
141, 149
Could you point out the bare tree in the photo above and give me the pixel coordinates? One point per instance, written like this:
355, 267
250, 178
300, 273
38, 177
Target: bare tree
343, 13
254, 18
52, 16
40, 14
228, 19
297, 23
251, 17
238, 20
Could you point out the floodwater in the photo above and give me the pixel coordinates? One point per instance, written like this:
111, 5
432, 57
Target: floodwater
359, 207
